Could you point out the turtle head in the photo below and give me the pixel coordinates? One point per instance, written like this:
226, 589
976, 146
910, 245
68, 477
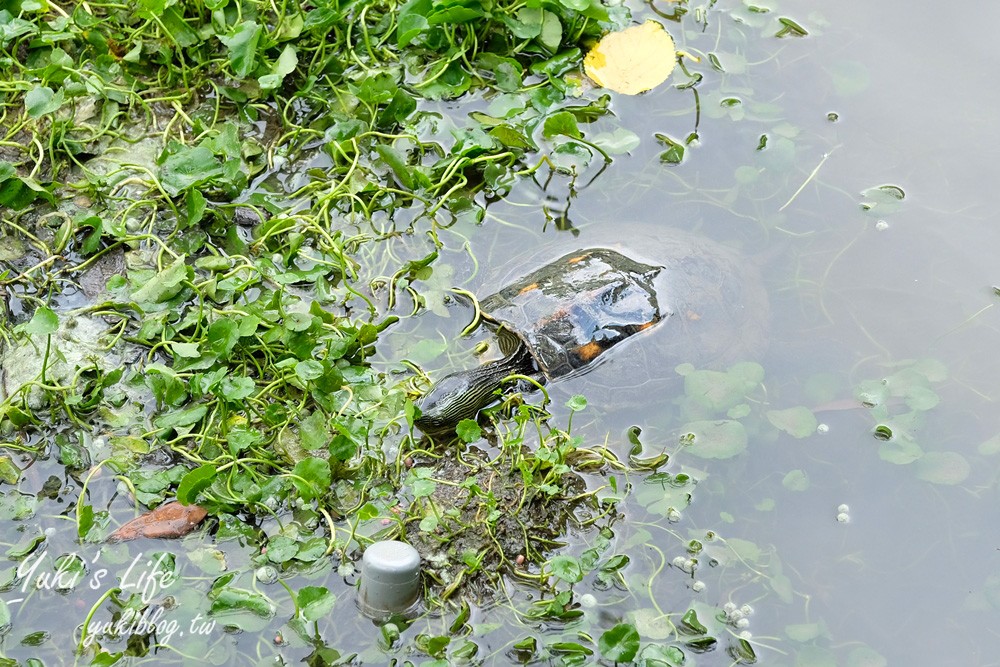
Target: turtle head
453, 398
463, 394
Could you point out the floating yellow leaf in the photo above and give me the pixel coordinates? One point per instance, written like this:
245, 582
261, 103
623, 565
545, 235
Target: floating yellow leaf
634, 60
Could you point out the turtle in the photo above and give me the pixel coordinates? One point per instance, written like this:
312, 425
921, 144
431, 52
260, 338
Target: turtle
694, 301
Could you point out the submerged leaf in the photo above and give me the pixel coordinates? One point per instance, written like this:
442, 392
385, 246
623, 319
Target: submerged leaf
796, 480
943, 468
798, 422
721, 439
633, 60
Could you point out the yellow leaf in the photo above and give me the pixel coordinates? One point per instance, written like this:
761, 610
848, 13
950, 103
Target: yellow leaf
632, 61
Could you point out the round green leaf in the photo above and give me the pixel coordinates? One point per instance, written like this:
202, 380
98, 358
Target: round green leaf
236, 388
315, 602
567, 568
468, 430
312, 477
43, 322
310, 369
620, 643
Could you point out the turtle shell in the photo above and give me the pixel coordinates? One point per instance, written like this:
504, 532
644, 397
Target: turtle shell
701, 302
572, 310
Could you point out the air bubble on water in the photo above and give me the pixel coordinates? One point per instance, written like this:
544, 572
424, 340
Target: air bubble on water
843, 517
881, 226
823, 428
267, 574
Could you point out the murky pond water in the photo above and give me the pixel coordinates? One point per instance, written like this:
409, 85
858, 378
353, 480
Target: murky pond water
893, 305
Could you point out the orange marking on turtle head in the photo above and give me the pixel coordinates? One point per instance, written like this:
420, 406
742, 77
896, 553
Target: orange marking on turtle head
643, 327
578, 258
589, 351
528, 288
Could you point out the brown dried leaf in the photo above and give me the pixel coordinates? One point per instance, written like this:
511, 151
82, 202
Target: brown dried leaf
166, 521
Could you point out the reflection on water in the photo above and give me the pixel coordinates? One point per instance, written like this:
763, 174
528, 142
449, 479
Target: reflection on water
901, 292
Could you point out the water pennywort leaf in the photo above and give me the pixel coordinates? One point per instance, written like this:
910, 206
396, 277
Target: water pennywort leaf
722, 439
242, 46
165, 284
567, 568
194, 483
900, 448
42, 100
187, 167
796, 480
943, 468
798, 422
561, 123
315, 602
43, 322
620, 643
468, 430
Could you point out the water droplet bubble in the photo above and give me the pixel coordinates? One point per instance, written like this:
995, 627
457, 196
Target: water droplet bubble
881, 226
267, 574
822, 428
